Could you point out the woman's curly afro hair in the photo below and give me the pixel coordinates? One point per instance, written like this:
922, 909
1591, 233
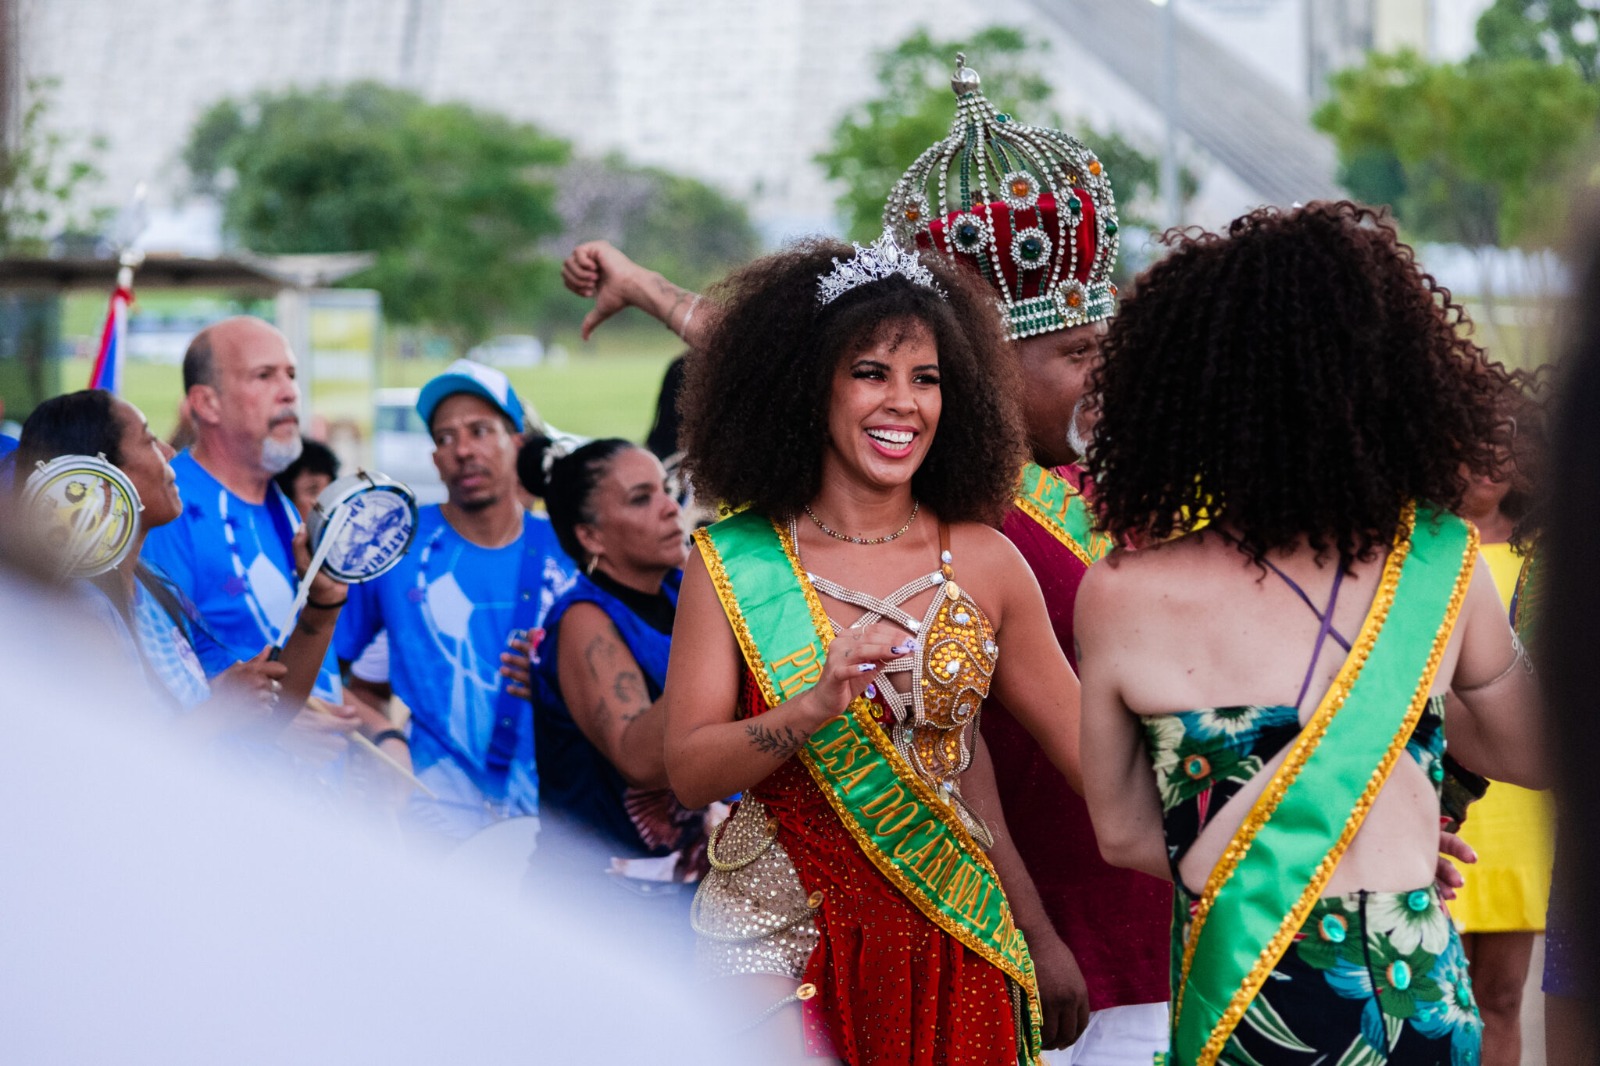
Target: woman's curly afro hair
755, 402
1297, 377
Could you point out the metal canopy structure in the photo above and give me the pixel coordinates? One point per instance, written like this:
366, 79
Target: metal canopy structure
262, 274
1252, 127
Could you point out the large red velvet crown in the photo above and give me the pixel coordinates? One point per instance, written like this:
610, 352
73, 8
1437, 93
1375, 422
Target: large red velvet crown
1028, 208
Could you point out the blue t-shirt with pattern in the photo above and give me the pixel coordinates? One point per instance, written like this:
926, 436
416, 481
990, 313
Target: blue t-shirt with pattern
233, 559
448, 608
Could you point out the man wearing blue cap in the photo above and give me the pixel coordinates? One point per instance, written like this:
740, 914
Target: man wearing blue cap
479, 576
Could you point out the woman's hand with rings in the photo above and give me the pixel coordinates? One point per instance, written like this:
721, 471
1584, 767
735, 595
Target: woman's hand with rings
258, 679
853, 657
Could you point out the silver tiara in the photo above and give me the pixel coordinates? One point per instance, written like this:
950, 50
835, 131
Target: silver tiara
881, 259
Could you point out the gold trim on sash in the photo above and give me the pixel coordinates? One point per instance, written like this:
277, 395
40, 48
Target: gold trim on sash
860, 716
1088, 554
1301, 751
730, 607
861, 711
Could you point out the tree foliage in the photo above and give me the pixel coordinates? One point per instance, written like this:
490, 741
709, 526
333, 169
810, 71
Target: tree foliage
453, 200
469, 212
684, 228
1551, 31
1469, 153
43, 174
876, 141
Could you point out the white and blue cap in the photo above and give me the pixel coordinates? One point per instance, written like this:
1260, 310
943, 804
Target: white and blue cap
464, 375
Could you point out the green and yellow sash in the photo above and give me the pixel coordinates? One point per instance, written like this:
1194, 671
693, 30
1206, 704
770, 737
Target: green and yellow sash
1276, 866
1052, 501
900, 824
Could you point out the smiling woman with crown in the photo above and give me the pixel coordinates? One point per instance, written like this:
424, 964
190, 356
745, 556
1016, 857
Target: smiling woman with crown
834, 643
1052, 287
1031, 211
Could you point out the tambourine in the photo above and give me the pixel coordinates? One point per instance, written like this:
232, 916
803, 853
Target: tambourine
87, 512
369, 521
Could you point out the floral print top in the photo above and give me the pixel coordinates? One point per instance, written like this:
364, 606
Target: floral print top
1203, 758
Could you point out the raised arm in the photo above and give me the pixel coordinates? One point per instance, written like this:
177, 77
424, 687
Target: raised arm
1032, 677
710, 753
1119, 784
605, 691
596, 270
307, 644
1494, 724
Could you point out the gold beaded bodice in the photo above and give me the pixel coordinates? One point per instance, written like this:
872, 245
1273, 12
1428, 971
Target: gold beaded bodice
951, 669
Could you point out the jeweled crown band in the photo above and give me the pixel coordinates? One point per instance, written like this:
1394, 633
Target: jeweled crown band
881, 259
1064, 308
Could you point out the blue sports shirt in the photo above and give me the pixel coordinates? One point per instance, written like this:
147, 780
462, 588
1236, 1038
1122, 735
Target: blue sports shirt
448, 608
233, 559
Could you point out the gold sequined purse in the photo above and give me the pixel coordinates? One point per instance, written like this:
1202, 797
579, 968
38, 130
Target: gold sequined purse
750, 912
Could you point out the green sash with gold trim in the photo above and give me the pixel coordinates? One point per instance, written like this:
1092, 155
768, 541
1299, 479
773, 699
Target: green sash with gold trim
900, 824
1053, 502
1278, 863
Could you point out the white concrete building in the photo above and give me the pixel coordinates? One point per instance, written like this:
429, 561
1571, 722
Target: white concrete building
741, 94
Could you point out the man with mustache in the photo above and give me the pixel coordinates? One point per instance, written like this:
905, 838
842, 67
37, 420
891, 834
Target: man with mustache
232, 549
461, 612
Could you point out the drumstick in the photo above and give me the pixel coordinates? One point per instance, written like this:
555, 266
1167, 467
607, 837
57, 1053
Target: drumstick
388, 760
328, 536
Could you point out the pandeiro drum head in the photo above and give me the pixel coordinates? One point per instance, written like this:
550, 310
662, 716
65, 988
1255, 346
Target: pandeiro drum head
371, 519
87, 513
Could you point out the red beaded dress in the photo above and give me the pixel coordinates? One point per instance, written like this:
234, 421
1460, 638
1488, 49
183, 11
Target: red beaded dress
881, 983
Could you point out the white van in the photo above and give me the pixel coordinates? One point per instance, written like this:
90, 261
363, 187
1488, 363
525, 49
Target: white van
401, 446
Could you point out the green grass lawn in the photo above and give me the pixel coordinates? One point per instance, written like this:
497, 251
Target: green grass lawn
606, 387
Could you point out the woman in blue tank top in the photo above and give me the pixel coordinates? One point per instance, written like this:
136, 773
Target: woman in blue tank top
599, 671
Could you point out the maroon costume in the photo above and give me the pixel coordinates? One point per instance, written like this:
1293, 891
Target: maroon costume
1114, 920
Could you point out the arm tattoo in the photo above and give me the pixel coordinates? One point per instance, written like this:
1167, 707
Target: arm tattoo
679, 296
609, 661
601, 655
630, 693
779, 743
1077, 650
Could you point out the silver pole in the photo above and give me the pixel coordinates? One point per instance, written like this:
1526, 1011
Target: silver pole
1171, 197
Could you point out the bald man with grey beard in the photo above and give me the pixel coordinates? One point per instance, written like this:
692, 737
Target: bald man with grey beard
233, 550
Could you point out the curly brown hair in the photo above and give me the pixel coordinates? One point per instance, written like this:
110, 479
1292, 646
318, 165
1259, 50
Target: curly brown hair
755, 402
1299, 376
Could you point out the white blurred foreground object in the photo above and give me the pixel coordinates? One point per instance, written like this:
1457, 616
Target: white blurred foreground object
160, 907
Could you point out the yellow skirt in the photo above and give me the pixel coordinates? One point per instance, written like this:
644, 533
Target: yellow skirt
1511, 829
1508, 888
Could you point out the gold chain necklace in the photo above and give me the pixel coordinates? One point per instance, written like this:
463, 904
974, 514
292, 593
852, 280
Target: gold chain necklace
836, 535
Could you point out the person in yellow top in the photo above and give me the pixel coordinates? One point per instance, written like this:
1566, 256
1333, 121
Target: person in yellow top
1503, 903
